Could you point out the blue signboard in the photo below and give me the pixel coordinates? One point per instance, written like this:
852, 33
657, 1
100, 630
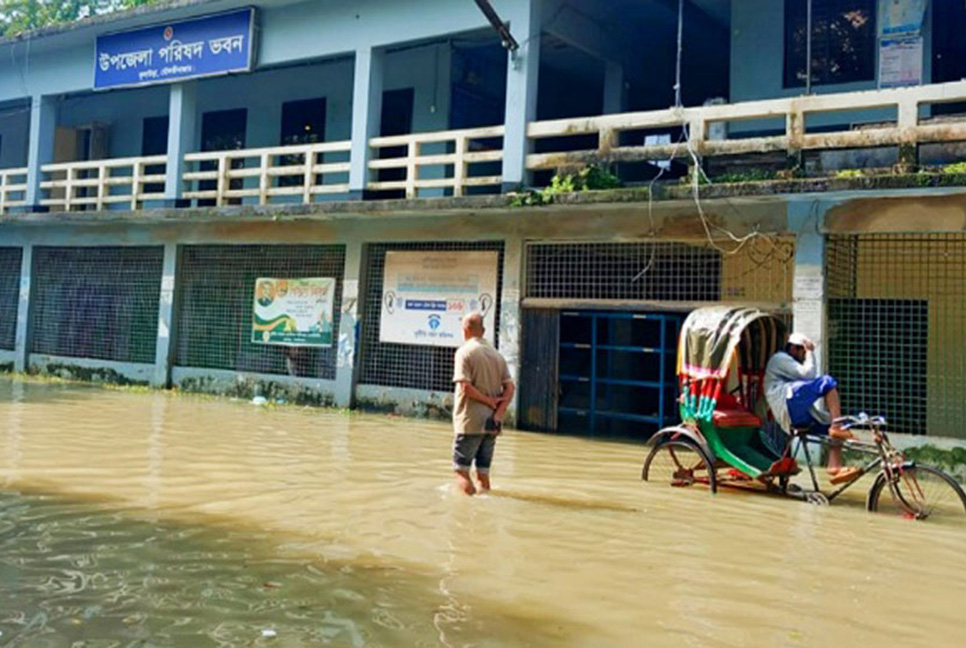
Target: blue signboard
206, 46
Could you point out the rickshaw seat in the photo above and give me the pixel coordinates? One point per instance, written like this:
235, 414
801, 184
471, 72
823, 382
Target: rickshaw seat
730, 414
734, 418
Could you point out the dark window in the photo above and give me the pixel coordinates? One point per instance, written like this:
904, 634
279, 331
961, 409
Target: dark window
303, 122
843, 41
222, 130
154, 141
397, 119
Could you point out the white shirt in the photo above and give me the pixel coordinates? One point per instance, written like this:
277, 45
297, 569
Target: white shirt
781, 373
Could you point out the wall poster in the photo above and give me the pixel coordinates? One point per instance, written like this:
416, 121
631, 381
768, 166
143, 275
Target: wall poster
426, 294
293, 312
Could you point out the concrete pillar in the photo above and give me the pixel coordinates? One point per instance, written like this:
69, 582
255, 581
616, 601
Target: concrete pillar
521, 92
366, 114
22, 344
808, 307
510, 334
614, 89
348, 326
182, 127
166, 314
40, 151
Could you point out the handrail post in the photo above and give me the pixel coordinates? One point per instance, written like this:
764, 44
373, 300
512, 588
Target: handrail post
136, 172
264, 162
908, 123
3, 193
308, 179
222, 180
795, 134
412, 152
459, 166
68, 188
102, 171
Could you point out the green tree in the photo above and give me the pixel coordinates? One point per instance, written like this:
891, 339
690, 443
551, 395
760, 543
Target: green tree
17, 16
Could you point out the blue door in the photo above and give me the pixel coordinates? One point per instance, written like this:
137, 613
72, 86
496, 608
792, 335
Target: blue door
616, 372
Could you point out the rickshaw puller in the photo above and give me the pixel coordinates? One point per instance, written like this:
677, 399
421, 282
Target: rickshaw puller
793, 386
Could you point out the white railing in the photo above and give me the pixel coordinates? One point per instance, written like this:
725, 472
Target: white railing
907, 129
13, 189
427, 157
267, 173
100, 183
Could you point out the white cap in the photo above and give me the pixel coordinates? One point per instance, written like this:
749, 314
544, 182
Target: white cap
798, 339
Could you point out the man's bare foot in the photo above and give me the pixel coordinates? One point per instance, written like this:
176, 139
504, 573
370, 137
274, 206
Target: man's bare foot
465, 483
840, 433
842, 474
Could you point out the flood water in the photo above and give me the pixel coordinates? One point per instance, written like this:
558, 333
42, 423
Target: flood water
155, 519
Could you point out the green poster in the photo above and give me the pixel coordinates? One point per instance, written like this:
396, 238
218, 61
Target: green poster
293, 312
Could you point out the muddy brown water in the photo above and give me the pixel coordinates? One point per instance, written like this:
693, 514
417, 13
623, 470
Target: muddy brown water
153, 519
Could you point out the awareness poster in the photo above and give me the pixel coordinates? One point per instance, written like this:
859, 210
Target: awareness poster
900, 62
293, 312
426, 294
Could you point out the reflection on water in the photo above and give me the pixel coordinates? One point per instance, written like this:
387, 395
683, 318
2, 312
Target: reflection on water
160, 520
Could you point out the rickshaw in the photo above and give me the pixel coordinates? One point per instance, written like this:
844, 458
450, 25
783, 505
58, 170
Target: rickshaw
727, 436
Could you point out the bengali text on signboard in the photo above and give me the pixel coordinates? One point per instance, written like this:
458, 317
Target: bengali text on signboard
293, 312
426, 294
206, 46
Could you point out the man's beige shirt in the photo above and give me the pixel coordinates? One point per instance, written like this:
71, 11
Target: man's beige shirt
479, 364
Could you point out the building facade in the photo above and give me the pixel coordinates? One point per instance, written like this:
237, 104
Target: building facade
144, 196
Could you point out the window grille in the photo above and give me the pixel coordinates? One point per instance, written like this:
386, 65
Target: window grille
646, 271
843, 41
216, 290
96, 302
403, 365
897, 328
10, 260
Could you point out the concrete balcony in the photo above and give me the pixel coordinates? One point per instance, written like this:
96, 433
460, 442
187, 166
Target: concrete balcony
456, 163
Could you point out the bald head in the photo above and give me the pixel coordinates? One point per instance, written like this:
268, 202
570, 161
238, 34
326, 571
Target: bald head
473, 326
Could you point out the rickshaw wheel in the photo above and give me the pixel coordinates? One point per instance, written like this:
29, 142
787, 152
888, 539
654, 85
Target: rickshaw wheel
921, 492
679, 462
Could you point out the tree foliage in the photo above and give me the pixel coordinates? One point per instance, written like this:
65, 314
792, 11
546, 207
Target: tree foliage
17, 16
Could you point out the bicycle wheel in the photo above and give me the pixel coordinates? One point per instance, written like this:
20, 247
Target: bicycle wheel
923, 492
679, 462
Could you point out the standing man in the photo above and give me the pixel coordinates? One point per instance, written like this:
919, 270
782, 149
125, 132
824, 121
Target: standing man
484, 390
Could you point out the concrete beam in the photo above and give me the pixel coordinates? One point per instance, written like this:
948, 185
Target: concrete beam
521, 92
166, 314
22, 344
40, 150
348, 337
366, 114
182, 126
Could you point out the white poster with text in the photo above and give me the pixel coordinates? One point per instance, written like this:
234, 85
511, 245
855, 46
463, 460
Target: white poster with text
426, 294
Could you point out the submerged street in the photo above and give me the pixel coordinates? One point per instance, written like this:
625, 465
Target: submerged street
158, 519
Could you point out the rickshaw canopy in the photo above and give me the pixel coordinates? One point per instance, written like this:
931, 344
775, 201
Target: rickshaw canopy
711, 336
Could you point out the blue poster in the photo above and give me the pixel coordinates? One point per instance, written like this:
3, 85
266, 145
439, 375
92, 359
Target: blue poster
901, 17
200, 47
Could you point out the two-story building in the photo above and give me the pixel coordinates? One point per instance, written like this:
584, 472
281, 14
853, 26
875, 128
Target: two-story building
293, 198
